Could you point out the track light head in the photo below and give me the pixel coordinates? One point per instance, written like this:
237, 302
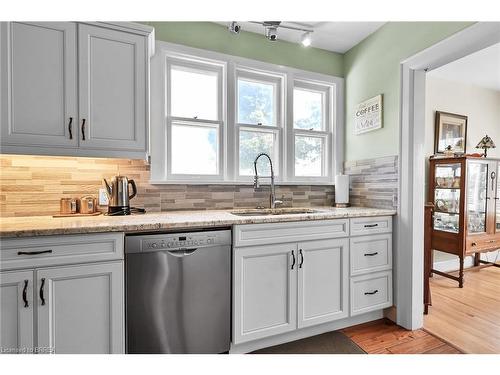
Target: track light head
234, 27
306, 39
272, 33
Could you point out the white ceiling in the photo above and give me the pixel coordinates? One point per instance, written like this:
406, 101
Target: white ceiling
480, 69
332, 36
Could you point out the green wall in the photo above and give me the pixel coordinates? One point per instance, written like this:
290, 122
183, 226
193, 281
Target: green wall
373, 67
215, 37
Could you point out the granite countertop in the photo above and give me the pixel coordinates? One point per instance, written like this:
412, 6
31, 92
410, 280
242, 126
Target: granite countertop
47, 225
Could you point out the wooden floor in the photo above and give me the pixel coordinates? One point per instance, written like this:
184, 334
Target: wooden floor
385, 337
469, 318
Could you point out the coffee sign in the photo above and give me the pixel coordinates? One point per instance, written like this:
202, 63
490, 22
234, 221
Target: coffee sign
368, 115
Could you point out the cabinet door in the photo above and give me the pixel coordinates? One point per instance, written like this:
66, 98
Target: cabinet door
16, 312
38, 84
323, 278
80, 308
113, 96
265, 291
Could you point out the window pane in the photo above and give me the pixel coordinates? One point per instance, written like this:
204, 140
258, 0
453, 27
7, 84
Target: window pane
193, 94
256, 103
308, 156
252, 144
307, 109
194, 149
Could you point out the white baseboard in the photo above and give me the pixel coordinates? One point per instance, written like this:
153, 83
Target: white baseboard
453, 264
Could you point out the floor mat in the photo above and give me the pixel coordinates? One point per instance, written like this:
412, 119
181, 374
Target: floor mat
327, 343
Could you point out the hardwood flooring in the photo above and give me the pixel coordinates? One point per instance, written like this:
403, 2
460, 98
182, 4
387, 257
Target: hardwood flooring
468, 317
385, 337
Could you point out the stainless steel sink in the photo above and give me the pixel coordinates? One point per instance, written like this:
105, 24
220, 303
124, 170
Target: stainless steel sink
273, 211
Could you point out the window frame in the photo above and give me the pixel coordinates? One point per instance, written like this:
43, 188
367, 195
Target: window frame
198, 65
228, 134
326, 134
277, 80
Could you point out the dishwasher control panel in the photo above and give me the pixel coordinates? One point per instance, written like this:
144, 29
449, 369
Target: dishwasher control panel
193, 240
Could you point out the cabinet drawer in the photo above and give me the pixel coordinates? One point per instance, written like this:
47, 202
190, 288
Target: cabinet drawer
482, 244
370, 225
266, 234
371, 292
55, 250
371, 253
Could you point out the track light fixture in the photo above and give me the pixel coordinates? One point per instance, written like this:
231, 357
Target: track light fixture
234, 27
271, 30
306, 39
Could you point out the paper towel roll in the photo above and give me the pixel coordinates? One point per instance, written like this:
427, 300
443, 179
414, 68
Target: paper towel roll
341, 190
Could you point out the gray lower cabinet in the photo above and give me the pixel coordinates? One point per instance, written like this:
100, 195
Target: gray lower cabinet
58, 297
82, 308
297, 279
280, 288
16, 312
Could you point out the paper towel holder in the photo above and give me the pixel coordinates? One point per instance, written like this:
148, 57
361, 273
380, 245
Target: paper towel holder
342, 191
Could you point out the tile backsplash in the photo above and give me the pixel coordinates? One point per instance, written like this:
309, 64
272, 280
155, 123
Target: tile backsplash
374, 182
33, 185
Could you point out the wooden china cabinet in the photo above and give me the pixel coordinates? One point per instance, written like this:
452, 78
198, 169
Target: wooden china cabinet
465, 192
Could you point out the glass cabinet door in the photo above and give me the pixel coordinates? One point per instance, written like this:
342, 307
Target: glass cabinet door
447, 197
477, 182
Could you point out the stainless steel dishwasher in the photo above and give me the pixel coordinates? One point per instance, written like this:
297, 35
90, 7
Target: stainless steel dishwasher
178, 292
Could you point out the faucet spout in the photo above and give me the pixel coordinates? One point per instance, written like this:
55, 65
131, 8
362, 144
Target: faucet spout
272, 197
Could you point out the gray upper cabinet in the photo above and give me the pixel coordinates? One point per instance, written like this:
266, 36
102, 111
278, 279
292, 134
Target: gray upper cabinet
113, 75
38, 84
77, 89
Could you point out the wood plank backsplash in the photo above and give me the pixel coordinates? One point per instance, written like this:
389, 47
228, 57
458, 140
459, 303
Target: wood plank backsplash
33, 185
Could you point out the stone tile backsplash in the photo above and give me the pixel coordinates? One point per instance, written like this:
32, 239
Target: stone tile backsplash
33, 185
374, 182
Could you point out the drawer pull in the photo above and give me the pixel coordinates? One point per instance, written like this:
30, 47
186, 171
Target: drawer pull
34, 252
41, 291
301, 258
371, 293
293, 259
371, 225
25, 299
473, 244
371, 254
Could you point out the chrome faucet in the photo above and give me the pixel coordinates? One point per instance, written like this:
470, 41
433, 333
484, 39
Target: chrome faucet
272, 198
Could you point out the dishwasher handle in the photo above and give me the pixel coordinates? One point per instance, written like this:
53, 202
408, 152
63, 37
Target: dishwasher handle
182, 252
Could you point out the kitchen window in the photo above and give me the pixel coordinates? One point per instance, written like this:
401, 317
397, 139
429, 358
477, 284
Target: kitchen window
258, 127
194, 120
312, 130
212, 114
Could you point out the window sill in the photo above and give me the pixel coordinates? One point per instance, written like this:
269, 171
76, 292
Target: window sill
249, 183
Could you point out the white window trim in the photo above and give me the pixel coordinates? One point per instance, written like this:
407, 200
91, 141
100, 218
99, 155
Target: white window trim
228, 150
326, 133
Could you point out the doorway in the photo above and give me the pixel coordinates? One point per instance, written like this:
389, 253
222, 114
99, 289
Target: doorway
409, 226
